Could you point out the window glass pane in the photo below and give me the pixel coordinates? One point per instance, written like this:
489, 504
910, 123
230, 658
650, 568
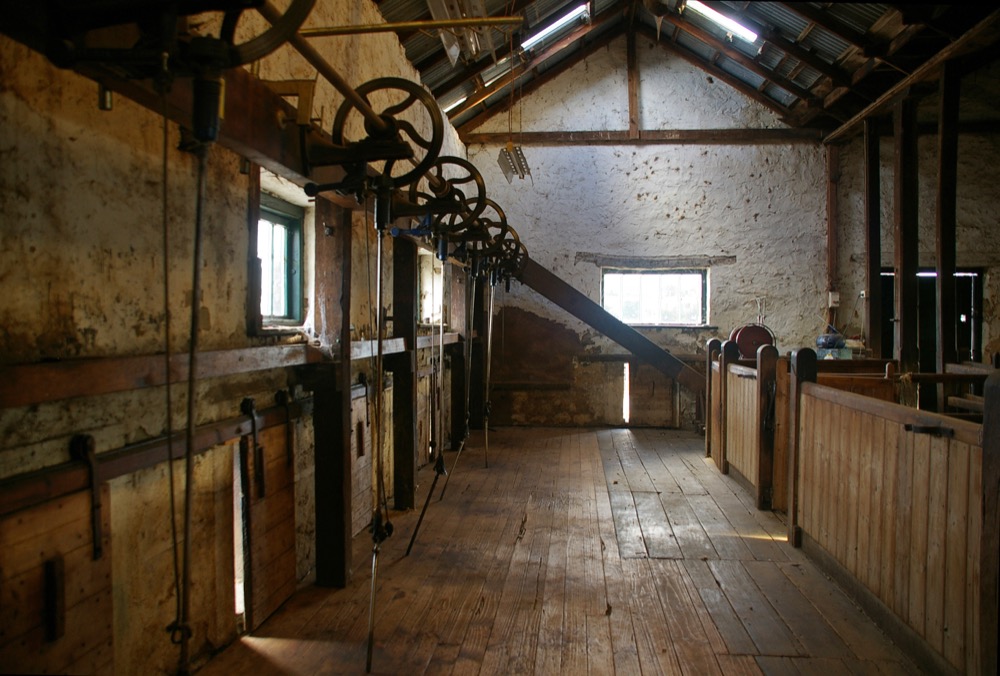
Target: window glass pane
279, 274
656, 297
265, 252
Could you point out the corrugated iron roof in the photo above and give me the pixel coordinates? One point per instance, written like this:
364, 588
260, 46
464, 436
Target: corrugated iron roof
807, 63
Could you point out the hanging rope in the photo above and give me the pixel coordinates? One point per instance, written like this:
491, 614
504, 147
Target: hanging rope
167, 353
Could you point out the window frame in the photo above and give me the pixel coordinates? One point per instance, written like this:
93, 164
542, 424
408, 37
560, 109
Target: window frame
703, 272
292, 218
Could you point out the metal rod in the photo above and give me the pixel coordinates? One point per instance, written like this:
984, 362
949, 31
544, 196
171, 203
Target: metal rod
489, 359
371, 610
317, 61
438, 471
401, 26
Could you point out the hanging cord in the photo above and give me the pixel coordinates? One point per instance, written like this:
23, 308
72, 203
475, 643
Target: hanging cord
168, 352
181, 631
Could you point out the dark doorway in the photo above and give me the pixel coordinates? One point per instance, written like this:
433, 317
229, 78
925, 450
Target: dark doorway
968, 328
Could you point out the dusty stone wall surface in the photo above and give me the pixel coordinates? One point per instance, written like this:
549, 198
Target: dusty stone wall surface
978, 244
755, 215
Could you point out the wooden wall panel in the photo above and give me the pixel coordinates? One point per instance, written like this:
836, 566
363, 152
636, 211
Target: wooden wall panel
898, 510
272, 530
59, 528
742, 423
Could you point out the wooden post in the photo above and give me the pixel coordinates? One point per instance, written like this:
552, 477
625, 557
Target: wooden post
873, 240
456, 358
989, 569
331, 384
767, 361
906, 233
711, 350
730, 352
632, 70
832, 225
803, 370
404, 379
947, 316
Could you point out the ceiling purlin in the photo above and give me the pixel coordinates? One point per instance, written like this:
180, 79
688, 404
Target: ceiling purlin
585, 51
468, 71
715, 71
481, 94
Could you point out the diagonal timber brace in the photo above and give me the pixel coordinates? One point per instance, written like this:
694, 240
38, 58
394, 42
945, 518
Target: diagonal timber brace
583, 308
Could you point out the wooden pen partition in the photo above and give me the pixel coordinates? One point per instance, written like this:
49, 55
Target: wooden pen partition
901, 506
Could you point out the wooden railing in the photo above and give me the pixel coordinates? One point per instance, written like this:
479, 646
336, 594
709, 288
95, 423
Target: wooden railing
901, 506
747, 429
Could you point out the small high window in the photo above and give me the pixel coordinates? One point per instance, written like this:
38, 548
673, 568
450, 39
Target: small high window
431, 287
279, 250
657, 297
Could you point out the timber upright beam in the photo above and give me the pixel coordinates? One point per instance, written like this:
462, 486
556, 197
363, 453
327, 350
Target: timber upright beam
331, 385
906, 233
767, 363
873, 239
404, 368
989, 566
803, 370
947, 315
729, 353
712, 348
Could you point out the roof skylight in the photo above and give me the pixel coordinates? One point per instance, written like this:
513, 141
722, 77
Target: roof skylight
730, 26
565, 20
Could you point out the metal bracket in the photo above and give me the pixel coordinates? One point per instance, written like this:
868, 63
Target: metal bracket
284, 398
933, 430
303, 90
81, 447
248, 408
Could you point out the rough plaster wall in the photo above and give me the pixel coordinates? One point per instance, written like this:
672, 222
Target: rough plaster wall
673, 94
760, 204
978, 236
595, 99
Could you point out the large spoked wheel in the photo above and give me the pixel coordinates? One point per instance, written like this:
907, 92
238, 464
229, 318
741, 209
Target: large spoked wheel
70, 21
463, 195
391, 98
283, 27
487, 234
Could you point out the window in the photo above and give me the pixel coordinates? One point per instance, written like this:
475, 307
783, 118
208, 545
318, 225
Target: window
657, 297
431, 285
279, 250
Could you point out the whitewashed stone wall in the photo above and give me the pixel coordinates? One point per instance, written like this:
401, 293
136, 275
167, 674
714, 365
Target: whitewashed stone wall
763, 205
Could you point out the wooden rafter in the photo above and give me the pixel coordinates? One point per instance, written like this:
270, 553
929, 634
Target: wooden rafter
580, 33
717, 72
585, 51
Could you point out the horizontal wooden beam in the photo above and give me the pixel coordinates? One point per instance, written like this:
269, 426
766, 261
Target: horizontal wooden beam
257, 123
33, 488
653, 137
29, 384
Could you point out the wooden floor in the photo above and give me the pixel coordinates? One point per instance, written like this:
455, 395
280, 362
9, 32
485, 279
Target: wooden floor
601, 551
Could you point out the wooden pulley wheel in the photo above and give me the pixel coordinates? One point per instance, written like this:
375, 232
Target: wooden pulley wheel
456, 187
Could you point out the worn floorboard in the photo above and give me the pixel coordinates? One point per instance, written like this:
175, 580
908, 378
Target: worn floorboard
576, 551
